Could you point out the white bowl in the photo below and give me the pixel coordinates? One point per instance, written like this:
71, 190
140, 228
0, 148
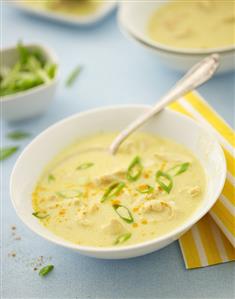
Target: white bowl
31, 102
89, 19
167, 123
133, 18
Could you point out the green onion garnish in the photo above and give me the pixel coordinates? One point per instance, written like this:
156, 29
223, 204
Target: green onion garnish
145, 189
122, 238
113, 190
135, 169
45, 270
124, 213
40, 215
73, 76
164, 180
51, 178
69, 193
85, 166
17, 135
6, 152
178, 169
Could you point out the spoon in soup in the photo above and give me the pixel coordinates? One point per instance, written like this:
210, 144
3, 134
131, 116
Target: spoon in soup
196, 76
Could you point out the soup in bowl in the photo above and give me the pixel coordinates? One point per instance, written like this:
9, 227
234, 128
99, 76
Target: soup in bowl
163, 179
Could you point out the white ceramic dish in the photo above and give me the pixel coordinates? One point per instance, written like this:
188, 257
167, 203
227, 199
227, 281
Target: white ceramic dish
168, 124
69, 19
133, 18
31, 102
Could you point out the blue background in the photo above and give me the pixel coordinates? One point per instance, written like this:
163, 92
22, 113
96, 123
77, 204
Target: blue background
116, 71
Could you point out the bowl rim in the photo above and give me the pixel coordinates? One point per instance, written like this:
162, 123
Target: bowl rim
52, 57
67, 18
165, 48
123, 249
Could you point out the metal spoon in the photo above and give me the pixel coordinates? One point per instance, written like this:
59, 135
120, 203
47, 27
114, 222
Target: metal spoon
196, 76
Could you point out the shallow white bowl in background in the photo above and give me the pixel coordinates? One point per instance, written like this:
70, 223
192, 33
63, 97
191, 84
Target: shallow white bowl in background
85, 20
167, 124
31, 102
133, 18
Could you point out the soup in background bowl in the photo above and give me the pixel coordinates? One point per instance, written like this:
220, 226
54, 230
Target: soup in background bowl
171, 31
177, 155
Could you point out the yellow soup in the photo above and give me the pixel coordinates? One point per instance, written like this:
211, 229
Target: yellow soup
198, 24
89, 197
71, 7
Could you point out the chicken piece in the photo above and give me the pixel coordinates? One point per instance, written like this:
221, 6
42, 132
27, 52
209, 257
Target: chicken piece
154, 195
171, 157
158, 206
152, 206
109, 178
194, 191
133, 147
94, 208
114, 227
82, 217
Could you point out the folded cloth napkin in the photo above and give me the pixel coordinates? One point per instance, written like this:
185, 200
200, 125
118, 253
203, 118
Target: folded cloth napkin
212, 240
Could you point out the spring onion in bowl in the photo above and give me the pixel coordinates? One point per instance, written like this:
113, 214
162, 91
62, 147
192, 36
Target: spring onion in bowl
30, 70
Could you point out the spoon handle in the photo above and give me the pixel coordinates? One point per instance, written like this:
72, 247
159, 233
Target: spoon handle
196, 76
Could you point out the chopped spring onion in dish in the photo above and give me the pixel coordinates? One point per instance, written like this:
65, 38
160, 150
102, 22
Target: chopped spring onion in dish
113, 190
30, 70
145, 188
51, 178
178, 169
85, 166
102, 206
122, 238
6, 152
46, 270
40, 215
18, 135
164, 180
124, 213
135, 169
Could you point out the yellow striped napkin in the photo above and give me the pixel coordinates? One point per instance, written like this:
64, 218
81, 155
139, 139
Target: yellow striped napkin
212, 239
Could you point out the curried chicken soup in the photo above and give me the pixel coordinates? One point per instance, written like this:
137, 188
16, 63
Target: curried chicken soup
198, 24
89, 197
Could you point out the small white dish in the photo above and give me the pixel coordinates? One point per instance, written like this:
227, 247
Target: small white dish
31, 102
133, 18
89, 19
167, 123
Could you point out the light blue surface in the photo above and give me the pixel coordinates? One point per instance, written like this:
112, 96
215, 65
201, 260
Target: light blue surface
115, 71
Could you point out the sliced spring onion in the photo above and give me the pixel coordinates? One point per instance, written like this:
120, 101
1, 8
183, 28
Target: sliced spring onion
45, 270
73, 75
122, 238
69, 193
178, 169
51, 178
164, 180
6, 152
40, 215
113, 190
30, 70
17, 135
145, 189
85, 166
124, 213
135, 169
